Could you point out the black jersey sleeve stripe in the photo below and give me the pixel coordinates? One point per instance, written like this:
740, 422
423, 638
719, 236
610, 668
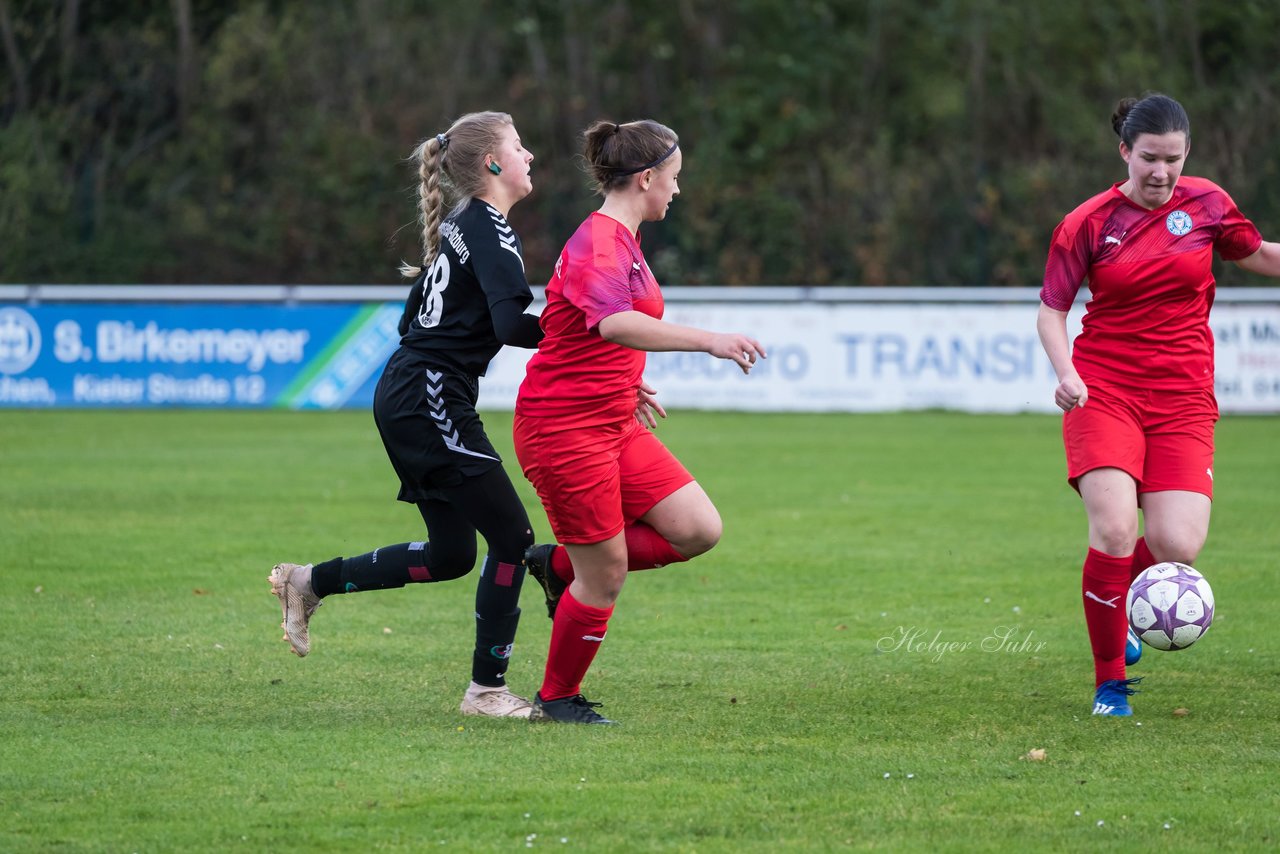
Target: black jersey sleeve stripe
497, 260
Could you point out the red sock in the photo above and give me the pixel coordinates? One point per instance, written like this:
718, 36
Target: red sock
560, 563
576, 636
646, 549
1104, 585
1142, 558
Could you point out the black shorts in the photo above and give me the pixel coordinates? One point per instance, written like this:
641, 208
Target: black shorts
426, 415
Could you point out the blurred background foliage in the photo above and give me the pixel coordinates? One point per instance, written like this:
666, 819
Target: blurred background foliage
850, 142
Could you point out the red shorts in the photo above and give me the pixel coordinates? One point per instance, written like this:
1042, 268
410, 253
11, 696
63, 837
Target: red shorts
594, 481
1162, 439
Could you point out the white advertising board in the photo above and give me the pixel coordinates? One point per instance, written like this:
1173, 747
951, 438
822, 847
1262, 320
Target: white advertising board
884, 357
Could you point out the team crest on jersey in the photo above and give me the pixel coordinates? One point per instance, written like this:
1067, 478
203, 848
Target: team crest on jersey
1178, 223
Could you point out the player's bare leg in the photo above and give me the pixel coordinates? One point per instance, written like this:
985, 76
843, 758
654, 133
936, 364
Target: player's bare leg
687, 519
1176, 523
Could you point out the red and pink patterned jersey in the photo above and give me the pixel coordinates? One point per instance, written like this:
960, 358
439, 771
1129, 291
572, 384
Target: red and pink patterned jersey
576, 375
1151, 285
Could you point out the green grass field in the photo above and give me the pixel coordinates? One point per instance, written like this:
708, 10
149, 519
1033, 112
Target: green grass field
148, 703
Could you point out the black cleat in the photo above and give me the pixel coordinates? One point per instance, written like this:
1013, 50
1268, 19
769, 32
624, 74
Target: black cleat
537, 560
568, 710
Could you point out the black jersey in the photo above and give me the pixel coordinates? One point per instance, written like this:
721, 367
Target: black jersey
478, 266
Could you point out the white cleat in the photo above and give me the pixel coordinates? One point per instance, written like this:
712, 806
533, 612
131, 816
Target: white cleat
292, 585
494, 702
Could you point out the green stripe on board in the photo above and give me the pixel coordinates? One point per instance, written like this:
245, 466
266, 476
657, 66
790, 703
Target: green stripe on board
321, 361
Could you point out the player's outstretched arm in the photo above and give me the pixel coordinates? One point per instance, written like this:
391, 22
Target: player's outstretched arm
642, 332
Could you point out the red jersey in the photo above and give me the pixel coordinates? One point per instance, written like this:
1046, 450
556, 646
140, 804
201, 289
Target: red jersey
1150, 276
576, 375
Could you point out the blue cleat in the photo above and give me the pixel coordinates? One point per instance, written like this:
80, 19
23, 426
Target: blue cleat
1132, 649
1112, 697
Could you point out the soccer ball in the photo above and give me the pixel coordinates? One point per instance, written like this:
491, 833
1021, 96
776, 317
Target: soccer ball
1170, 605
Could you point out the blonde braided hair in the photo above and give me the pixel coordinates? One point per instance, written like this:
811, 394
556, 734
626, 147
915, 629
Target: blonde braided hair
451, 165
430, 203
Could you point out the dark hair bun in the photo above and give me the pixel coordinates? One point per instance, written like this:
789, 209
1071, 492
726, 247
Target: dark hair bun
1121, 113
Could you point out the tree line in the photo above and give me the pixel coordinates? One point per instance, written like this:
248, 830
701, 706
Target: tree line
826, 142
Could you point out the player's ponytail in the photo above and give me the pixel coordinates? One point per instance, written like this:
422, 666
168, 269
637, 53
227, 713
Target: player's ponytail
430, 201
430, 212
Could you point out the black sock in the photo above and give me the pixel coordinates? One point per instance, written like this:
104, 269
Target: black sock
325, 577
494, 640
497, 615
382, 569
